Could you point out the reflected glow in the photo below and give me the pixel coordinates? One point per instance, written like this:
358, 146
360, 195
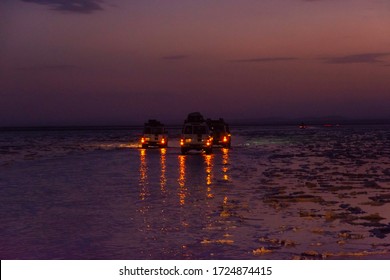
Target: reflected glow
209, 168
182, 179
225, 162
209, 174
143, 173
163, 178
225, 208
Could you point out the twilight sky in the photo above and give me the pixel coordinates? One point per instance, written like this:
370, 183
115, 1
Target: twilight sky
102, 62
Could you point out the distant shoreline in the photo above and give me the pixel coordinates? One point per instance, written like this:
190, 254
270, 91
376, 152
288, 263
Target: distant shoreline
309, 122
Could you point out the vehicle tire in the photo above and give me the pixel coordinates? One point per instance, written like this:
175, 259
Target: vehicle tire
183, 151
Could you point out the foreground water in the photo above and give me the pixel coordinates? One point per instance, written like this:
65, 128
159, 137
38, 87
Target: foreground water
279, 193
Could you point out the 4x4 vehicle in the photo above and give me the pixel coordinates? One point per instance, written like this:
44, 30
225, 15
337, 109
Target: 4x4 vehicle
220, 132
196, 134
154, 135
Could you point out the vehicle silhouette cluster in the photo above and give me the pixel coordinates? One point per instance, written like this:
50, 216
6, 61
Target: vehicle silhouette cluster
197, 134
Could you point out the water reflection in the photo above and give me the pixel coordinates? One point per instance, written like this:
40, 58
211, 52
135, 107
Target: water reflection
163, 163
225, 163
196, 171
151, 221
184, 199
182, 179
208, 159
148, 166
143, 173
201, 171
205, 171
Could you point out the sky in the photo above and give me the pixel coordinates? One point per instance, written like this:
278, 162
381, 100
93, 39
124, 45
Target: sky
121, 62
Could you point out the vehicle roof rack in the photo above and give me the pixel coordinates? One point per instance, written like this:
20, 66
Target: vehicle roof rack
194, 117
153, 122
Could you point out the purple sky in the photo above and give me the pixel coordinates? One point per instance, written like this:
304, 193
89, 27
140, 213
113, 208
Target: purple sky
91, 62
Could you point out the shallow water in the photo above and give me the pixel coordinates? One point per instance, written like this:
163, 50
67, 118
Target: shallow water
279, 193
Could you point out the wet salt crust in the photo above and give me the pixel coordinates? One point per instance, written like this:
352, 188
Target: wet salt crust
279, 193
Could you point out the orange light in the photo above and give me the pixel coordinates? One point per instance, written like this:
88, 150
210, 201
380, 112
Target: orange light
225, 139
163, 141
181, 142
142, 140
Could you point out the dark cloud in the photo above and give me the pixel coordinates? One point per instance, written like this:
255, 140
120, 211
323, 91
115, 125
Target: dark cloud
175, 57
265, 59
76, 6
357, 58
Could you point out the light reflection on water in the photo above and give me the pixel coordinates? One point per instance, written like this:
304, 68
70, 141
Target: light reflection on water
279, 193
202, 164
225, 163
163, 178
209, 174
190, 204
182, 179
143, 172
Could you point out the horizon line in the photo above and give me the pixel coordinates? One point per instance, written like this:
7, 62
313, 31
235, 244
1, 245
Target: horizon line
317, 121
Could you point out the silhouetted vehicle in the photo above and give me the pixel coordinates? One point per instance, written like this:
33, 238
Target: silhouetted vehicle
196, 134
302, 126
154, 135
220, 132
